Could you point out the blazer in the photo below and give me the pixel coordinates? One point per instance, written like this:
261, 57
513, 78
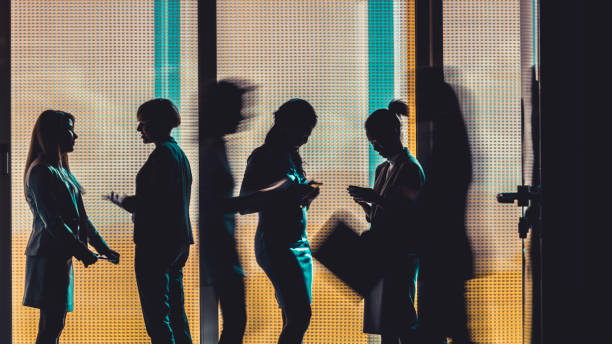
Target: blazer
61, 225
163, 193
389, 307
406, 173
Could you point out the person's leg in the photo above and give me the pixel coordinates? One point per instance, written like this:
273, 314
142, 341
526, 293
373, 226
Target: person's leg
178, 317
457, 314
294, 299
297, 320
389, 339
232, 299
153, 282
50, 325
410, 338
284, 318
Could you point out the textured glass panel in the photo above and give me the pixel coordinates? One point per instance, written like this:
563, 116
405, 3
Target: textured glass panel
99, 60
320, 51
482, 61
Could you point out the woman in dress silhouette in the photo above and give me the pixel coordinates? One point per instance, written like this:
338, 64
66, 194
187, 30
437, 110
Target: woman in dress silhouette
281, 244
61, 228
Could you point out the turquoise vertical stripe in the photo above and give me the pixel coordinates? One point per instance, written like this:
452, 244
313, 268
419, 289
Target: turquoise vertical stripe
168, 52
380, 64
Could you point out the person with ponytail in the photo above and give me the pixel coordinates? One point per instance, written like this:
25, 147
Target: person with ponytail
61, 228
389, 307
281, 244
162, 228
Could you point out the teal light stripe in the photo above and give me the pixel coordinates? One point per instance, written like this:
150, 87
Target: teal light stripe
380, 64
168, 52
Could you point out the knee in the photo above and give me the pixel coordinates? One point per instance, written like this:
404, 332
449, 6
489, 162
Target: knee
235, 323
298, 319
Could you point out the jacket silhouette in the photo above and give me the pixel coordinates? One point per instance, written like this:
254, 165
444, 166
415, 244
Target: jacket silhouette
389, 307
161, 203
61, 229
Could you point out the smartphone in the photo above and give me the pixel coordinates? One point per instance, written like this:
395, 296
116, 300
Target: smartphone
114, 261
314, 184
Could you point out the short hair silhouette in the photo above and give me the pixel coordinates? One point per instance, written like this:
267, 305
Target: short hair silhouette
161, 111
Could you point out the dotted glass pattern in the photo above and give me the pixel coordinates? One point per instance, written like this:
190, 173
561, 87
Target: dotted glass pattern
96, 60
482, 60
318, 51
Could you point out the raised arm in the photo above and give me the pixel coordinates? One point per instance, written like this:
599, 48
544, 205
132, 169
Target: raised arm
128, 203
254, 201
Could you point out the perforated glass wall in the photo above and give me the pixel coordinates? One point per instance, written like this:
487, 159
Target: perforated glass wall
347, 58
482, 60
99, 60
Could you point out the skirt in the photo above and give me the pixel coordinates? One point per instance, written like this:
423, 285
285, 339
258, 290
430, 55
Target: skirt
290, 271
49, 282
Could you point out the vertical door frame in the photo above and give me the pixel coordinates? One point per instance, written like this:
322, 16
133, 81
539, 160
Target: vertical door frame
5, 174
562, 116
207, 71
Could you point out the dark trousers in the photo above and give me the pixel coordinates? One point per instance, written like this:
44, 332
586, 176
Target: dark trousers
159, 275
230, 291
51, 324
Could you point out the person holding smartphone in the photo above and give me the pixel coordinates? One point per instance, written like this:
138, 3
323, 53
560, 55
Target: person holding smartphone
282, 249
389, 308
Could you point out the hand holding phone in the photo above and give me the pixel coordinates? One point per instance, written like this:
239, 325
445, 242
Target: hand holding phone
363, 195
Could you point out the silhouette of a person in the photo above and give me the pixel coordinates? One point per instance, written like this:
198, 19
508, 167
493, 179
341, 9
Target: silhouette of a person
221, 114
162, 229
281, 244
443, 246
389, 308
61, 228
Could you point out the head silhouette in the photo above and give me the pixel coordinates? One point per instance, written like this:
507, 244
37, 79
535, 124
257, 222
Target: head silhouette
53, 137
383, 129
222, 107
156, 119
294, 121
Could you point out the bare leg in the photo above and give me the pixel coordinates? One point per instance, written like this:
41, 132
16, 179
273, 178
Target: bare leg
297, 319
